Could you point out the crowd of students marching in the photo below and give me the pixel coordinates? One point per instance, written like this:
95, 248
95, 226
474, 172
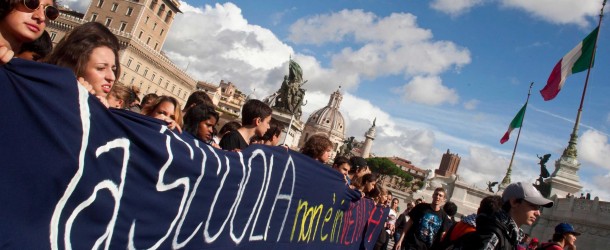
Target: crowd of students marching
91, 51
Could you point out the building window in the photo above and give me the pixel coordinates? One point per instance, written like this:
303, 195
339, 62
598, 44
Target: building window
108, 21
173, 87
147, 88
100, 3
146, 20
132, 79
147, 40
93, 17
123, 77
140, 35
114, 7
153, 77
161, 10
123, 26
160, 80
153, 3
169, 16
129, 62
137, 68
162, 30
141, 84
129, 11
154, 26
179, 90
53, 35
166, 84
145, 72
156, 44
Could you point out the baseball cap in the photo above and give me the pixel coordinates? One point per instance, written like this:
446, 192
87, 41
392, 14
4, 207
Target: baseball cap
534, 240
526, 191
563, 228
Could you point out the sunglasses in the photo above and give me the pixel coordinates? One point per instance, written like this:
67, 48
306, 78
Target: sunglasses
50, 11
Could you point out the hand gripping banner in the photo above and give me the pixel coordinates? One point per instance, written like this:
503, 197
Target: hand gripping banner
75, 175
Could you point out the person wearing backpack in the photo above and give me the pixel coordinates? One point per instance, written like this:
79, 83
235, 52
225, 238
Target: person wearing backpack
501, 230
564, 236
466, 227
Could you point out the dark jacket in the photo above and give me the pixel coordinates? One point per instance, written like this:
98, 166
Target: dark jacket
494, 232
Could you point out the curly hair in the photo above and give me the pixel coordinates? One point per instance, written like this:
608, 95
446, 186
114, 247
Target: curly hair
316, 145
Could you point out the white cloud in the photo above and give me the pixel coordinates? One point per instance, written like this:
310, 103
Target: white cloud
335, 27
78, 5
223, 45
378, 50
471, 104
429, 90
580, 13
455, 7
276, 18
483, 164
599, 187
594, 148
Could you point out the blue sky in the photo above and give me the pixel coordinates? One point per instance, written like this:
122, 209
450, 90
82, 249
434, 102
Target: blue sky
438, 75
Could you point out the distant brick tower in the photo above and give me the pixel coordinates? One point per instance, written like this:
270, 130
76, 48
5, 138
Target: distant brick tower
449, 164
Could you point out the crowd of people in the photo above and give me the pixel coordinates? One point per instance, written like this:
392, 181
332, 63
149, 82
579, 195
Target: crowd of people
91, 51
496, 225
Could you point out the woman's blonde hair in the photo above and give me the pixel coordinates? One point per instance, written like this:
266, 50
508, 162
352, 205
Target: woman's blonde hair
148, 110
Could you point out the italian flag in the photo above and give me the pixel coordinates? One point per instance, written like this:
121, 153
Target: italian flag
516, 123
577, 60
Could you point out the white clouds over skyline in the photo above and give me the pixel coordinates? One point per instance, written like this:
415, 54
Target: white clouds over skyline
349, 47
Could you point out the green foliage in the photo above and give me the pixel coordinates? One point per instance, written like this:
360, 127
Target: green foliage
384, 167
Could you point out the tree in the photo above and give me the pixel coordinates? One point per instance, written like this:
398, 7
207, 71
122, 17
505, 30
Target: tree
384, 167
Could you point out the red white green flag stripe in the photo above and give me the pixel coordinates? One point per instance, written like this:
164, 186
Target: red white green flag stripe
577, 60
516, 123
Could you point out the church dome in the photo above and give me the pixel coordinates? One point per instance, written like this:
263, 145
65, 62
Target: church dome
329, 119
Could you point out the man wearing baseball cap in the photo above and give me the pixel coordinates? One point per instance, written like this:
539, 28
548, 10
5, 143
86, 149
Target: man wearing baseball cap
564, 236
501, 230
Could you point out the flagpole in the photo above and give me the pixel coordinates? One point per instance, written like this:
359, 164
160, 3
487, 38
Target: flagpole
570, 151
506, 179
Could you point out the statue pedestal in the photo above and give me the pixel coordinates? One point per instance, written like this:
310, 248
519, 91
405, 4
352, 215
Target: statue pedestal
564, 180
290, 136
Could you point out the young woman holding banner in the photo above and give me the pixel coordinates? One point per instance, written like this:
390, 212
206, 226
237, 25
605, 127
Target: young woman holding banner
92, 52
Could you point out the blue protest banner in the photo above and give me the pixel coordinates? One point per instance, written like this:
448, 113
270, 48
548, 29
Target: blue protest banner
76, 175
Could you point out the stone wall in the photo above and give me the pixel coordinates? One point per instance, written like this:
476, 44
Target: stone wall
589, 217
